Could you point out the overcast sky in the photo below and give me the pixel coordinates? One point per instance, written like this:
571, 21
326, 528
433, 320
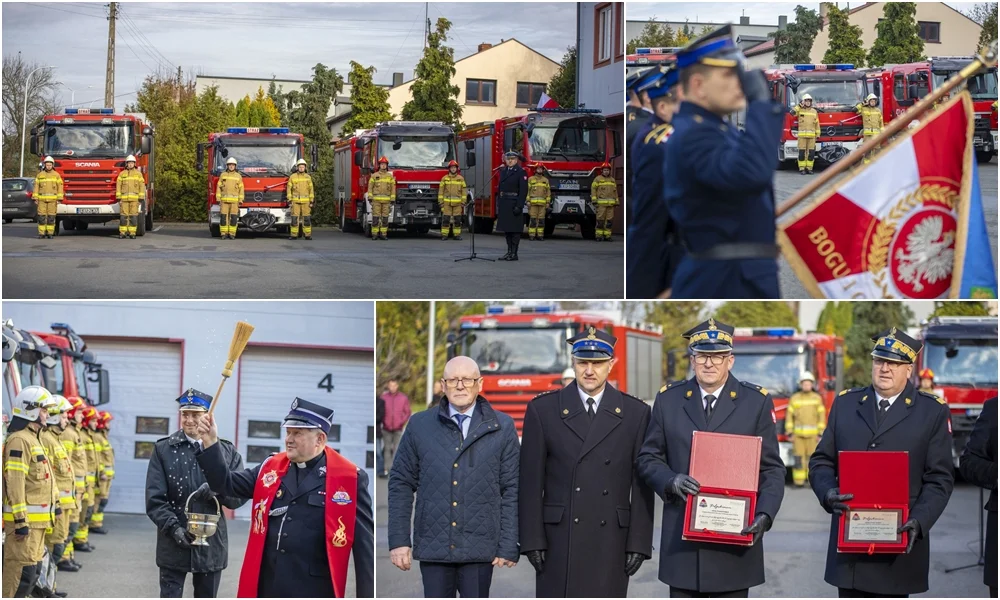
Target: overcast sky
261, 39
761, 13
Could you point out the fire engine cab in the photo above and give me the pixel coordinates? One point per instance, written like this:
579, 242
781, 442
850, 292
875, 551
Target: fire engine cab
649, 57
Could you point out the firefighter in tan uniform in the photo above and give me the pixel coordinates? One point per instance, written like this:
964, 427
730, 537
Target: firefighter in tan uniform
81, 539
381, 193
48, 194
808, 132
301, 196
604, 192
29, 494
62, 470
105, 473
73, 443
871, 121
805, 420
539, 197
229, 193
451, 198
129, 191
927, 382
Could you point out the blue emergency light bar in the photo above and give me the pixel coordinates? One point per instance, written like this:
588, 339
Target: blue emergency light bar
58, 326
90, 111
257, 130
566, 110
834, 67
518, 310
656, 50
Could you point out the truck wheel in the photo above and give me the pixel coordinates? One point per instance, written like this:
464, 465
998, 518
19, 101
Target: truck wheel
983, 157
149, 221
588, 229
214, 230
550, 227
140, 229
6, 220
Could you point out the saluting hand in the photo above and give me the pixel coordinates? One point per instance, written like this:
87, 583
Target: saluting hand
401, 557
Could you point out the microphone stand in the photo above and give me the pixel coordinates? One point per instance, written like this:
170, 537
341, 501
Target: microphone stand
471, 222
982, 544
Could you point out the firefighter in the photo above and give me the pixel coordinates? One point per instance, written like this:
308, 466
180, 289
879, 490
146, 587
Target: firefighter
604, 192
85, 421
105, 473
451, 197
382, 193
302, 198
229, 192
29, 493
805, 420
871, 119
70, 437
808, 131
130, 188
539, 199
927, 381
62, 471
48, 194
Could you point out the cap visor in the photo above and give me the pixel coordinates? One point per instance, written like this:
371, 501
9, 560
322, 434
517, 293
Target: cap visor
193, 408
891, 357
711, 348
299, 424
586, 355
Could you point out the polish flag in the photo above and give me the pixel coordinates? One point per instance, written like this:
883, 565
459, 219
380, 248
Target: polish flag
546, 102
908, 225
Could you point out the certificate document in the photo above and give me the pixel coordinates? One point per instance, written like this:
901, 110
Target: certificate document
870, 525
720, 514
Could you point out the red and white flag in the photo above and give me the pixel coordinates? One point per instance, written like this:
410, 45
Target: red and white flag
546, 102
897, 227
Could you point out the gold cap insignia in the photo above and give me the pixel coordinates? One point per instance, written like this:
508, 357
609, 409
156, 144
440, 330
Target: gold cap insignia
892, 332
711, 324
591, 334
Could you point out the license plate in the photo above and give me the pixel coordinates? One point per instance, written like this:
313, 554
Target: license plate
420, 186
420, 212
10, 209
572, 209
569, 185
973, 412
88, 211
258, 210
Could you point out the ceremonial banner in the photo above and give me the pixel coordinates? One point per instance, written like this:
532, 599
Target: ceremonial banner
908, 225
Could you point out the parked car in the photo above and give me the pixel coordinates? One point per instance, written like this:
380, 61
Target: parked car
17, 201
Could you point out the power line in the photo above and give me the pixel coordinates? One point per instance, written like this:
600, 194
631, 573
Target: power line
412, 23
101, 99
259, 16
454, 31
242, 20
149, 49
73, 12
136, 30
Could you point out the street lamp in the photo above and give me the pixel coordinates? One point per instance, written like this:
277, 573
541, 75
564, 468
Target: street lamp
24, 118
72, 95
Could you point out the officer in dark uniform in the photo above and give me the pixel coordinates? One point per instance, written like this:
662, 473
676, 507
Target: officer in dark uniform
298, 553
890, 415
512, 192
717, 180
638, 110
585, 518
653, 248
713, 401
978, 466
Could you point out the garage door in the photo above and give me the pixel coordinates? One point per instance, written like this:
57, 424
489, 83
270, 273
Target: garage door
145, 380
270, 378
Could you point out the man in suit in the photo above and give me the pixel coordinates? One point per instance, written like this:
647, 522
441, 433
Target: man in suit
978, 465
586, 518
713, 401
888, 415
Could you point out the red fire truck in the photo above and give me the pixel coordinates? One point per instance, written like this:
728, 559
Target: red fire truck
522, 352
962, 353
89, 148
418, 153
32, 362
76, 373
649, 57
571, 143
265, 157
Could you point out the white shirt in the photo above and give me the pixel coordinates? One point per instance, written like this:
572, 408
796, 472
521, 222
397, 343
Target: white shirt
704, 402
465, 422
194, 442
597, 398
879, 399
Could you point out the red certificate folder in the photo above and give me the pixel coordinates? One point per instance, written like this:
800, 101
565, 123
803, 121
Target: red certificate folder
726, 466
880, 481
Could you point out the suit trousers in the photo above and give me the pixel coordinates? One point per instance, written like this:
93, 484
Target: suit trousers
470, 580
676, 592
206, 585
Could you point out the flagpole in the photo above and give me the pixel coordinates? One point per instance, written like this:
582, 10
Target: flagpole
985, 60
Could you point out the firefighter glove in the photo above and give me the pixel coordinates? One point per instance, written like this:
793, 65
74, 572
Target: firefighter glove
22, 532
754, 84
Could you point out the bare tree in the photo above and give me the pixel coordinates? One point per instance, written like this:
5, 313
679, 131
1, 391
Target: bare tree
41, 100
979, 12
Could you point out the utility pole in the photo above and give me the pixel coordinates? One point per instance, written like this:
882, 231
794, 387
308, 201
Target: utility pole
109, 76
427, 23
177, 88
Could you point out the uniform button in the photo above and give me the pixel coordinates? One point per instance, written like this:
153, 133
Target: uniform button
872, 446
455, 465
607, 462
453, 546
578, 489
284, 535
293, 501
454, 503
576, 520
282, 550
288, 519
454, 483
454, 524
604, 493
603, 523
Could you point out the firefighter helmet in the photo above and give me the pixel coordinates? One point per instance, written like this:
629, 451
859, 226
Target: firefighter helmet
383, 160
806, 97
540, 167
606, 166
230, 161
871, 97
28, 403
48, 159
130, 158
806, 376
569, 374
89, 415
452, 163
301, 161
926, 373
56, 409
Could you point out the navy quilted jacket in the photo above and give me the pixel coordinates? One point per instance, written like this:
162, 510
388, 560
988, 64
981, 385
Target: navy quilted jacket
466, 492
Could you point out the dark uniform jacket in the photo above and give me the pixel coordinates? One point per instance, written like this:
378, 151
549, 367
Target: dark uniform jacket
979, 466
466, 490
717, 185
295, 562
636, 119
580, 499
512, 191
919, 427
741, 408
172, 475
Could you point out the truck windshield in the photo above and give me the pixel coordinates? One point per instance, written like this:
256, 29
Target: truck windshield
981, 87
568, 138
417, 152
31, 370
80, 373
519, 351
778, 373
90, 140
263, 159
829, 95
975, 363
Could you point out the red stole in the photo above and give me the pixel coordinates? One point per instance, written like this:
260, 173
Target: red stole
339, 517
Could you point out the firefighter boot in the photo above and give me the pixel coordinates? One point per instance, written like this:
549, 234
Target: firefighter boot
307, 227
802, 161
607, 230
293, 233
133, 224
810, 158
29, 575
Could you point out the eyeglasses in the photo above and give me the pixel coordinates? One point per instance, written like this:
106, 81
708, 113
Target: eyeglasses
466, 382
717, 359
879, 363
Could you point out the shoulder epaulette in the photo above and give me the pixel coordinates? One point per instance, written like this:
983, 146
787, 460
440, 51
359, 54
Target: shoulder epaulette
546, 393
940, 400
849, 391
659, 133
754, 386
636, 398
672, 385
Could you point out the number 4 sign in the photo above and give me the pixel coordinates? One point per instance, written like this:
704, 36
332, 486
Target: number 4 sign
326, 383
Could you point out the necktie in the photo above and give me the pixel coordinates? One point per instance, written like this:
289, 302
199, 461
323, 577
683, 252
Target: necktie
883, 408
590, 408
460, 419
709, 407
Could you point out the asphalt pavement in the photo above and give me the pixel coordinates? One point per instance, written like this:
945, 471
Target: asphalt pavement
794, 554
181, 260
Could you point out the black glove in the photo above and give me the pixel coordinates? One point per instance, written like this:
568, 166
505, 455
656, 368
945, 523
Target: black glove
754, 84
834, 501
537, 559
58, 511
22, 532
182, 537
633, 560
912, 526
518, 209
203, 493
757, 527
682, 485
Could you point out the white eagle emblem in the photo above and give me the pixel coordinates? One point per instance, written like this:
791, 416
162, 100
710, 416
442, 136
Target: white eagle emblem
929, 255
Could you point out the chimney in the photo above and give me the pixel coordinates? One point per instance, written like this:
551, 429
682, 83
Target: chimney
397, 79
484, 46
824, 9
782, 22
744, 20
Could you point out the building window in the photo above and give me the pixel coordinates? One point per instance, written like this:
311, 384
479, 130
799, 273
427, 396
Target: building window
604, 33
481, 91
528, 94
264, 429
369, 460
334, 435
930, 31
619, 34
144, 450
371, 434
257, 454
152, 425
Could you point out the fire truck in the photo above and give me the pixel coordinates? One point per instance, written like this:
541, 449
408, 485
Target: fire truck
418, 153
571, 143
522, 352
76, 373
265, 158
962, 353
89, 148
901, 86
31, 361
836, 89
649, 57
